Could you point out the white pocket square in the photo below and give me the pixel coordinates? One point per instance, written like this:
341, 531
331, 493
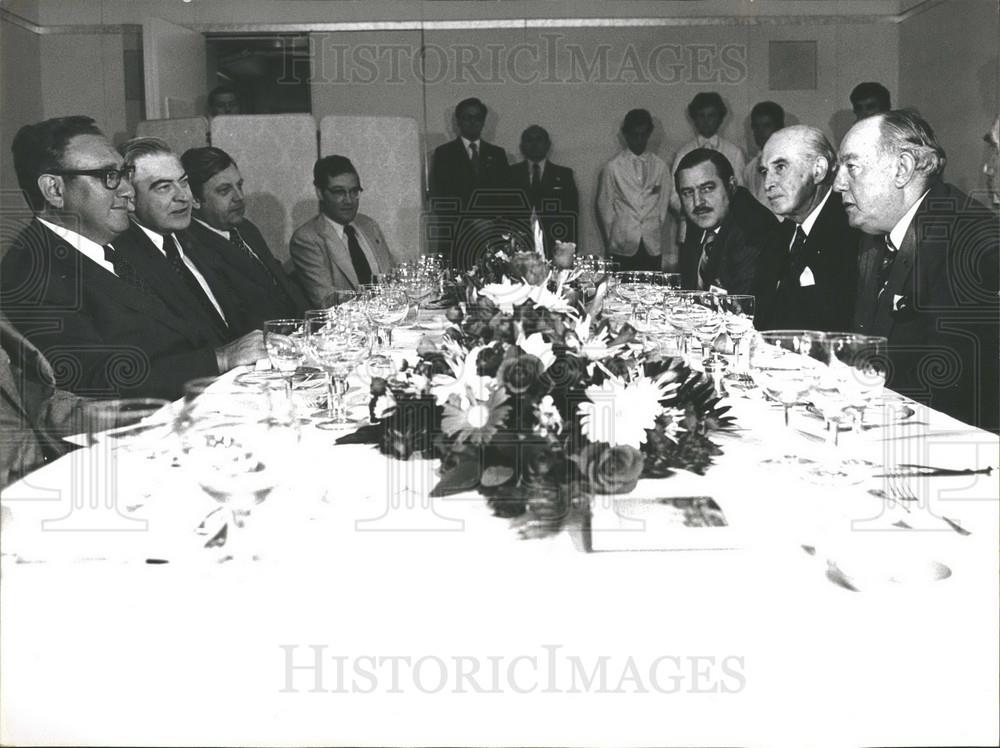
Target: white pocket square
896, 298
807, 279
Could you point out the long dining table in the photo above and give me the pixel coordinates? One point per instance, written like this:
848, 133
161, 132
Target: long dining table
845, 613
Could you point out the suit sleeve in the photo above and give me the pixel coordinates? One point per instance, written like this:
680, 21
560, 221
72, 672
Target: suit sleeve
675, 199
309, 255
605, 203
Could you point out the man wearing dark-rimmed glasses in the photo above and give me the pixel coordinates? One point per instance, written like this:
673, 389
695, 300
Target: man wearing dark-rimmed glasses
71, 291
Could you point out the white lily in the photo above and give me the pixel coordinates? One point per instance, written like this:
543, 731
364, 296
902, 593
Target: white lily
536, 346
506, 295
465, 383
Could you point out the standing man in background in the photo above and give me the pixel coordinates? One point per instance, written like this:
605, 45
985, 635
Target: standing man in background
632, 198
549, 190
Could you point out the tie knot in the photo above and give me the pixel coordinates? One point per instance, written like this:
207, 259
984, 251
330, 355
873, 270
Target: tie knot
708, 239
349, 230
234, 236
473, 148
109, 253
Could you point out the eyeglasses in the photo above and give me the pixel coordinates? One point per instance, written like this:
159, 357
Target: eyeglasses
111, 177
338, 193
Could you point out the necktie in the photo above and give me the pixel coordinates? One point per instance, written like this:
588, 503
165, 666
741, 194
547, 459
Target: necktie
123, 269
536, 185
708, 267
236, 239
882, 276
177, 263
474, 158
795, 264
361, 267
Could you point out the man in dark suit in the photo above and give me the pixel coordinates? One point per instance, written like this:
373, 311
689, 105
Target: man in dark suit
159, 247
819, 269
230, 244
733, 243
469, 185
68, 289
549, 190
928, 272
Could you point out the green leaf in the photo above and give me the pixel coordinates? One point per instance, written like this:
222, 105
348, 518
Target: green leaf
496, 475
463, 477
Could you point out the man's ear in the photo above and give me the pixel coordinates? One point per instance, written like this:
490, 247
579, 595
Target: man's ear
906, 168
731, 185
51, 187
821, 169
195, 203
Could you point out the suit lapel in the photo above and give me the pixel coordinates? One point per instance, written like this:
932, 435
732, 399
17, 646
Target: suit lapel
337, 251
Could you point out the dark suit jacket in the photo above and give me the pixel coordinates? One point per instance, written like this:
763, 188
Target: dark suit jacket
152, 265
831, 255
452, 175
939, 308
260, 297
556, 202
34, 415
102, 335
749, 243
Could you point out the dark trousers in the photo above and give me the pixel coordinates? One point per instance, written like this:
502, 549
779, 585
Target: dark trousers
641, 260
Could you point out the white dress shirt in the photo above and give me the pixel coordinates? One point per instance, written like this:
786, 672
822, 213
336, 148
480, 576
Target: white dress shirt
468, 146
898, 232
158, 240
633, 209
87, 247
362, 240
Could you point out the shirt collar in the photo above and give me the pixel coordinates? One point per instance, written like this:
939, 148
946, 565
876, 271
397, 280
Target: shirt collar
814, 214
466, 142
79, 241
338, 227
708, 142
223, 234
898, 233
541, 164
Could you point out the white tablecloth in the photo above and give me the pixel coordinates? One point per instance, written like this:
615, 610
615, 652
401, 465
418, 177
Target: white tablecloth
496, 640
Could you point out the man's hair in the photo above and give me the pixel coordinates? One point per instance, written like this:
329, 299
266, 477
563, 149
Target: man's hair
470, 102
815, 144
701, 156
705, 99
134, 149
769, 109
872, 90
905, 131
638, 118
535, 128
329, 167
201, 164
39, 148
222, 90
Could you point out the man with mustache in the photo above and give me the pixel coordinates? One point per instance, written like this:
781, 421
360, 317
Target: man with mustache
734, 245
68, 286
819, 267
928, 271
233, 248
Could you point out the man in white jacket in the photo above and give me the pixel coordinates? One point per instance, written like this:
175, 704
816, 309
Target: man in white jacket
632, 198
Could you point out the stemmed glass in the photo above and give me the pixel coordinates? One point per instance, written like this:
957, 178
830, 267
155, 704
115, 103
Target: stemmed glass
283, 340
867, 355
234, 449
737, 317
386, 306
851, 370
686, 315
783, 363
338, 343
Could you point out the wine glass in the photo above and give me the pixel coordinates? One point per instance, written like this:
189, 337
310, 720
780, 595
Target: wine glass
338, 343
737, 318
386, 306
836, 388
235, 451
283, 340
866, 355
686, 316
783, 363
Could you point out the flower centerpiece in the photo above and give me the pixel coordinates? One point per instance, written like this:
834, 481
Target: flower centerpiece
538, 402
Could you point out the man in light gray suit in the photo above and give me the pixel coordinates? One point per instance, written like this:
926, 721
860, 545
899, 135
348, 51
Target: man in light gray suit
339, 249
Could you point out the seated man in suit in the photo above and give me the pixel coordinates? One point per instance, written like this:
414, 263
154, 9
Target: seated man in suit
34, 415
339, 249
469, 186
549, 189
230, 244
819, 269
928, 271
76, 296
735, 243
